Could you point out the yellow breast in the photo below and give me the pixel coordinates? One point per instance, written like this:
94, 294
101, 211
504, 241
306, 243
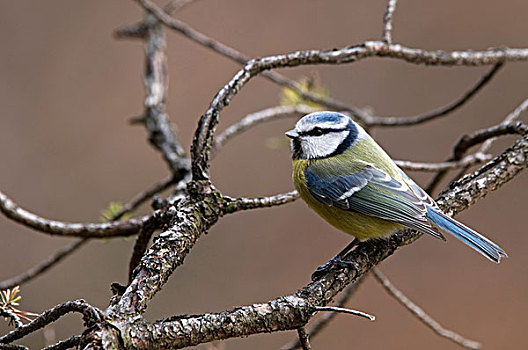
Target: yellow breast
361, 226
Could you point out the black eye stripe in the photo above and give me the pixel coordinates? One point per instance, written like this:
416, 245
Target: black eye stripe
319, 131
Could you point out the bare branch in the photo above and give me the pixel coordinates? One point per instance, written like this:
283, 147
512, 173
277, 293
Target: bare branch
156, 81
202, 141
256, 118
319, 324
402, 121
141, 197
479, 136
345, 311
387, 21
68, 250
236, 56
44, 265
189, 219
303, 339
232, 205
486, 135
510, 118
421, 314
90, 315
70, 229
469, 160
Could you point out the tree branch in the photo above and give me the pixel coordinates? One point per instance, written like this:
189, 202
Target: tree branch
256, 118
187, 220
387, 21
90, 315
44, 265
233, 205
70, 229
417, 119
469, 160
238, 57
156, 83
202, 141
324, 320
421, 315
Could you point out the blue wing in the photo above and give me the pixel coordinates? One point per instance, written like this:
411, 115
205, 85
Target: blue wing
372, 192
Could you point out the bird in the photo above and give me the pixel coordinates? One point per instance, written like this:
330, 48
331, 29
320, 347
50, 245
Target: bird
351, 182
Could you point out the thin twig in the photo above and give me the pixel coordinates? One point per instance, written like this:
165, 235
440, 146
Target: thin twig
238, 57
256, 118
346, 311
357, 113
141, 197
469, 160
321, 323
387, 21
73, 247
412, 120
70, 229
44, 265
71, 342
510, 118
90, 315
202, 141
421, 314
477, 137
243, 203
303, 339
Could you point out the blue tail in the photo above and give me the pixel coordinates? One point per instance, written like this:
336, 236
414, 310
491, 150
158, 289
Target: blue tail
473, 239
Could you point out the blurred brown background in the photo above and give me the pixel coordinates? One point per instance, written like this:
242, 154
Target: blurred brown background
68, 88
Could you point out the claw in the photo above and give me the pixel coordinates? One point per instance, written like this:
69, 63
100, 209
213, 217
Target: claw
335, 264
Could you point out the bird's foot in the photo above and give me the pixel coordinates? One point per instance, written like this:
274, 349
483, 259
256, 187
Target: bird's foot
336, 263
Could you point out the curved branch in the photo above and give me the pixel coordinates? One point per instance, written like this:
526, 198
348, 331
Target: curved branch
422, 315
256, 118
236, 56
202, 140
403, 121
70, 229
469, 160
44, 265
90, 315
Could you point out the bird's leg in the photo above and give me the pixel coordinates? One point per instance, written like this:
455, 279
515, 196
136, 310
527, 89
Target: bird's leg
336, 262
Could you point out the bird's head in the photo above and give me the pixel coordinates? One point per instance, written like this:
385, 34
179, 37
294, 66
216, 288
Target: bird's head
323, 134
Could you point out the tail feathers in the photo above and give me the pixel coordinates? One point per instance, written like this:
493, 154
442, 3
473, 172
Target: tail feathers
473, 239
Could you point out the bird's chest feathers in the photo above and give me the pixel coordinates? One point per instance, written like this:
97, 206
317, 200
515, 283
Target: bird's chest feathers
359, 225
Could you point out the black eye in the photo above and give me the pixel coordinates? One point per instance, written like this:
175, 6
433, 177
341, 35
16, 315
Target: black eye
316, 132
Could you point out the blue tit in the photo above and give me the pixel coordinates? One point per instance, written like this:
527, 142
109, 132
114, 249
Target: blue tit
349, 180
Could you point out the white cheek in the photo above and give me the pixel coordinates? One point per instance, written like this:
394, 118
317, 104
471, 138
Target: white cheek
322, 146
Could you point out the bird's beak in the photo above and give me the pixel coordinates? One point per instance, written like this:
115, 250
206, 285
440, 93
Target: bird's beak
292, 134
